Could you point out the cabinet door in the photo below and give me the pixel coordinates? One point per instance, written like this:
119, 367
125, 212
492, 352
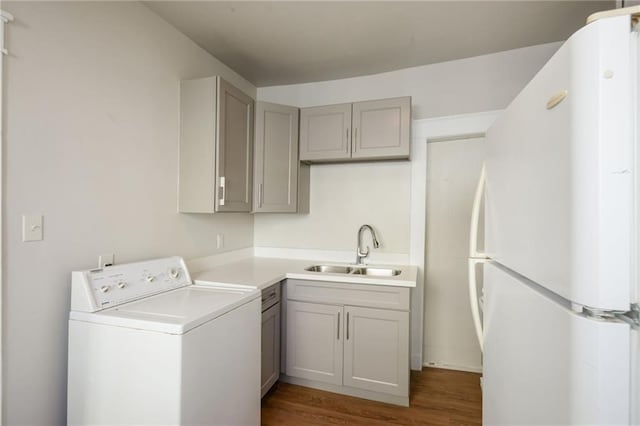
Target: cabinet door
376, 350
270, 347
325, 132
382, 129
276, 158
234, 171
196, 191
314, 342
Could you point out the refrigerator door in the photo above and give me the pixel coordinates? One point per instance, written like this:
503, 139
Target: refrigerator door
545, 364
560, 170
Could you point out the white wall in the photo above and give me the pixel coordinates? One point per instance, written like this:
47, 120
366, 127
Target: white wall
92, 128
482, 83
383, 198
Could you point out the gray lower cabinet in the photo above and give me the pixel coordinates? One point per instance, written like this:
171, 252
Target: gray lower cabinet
356, 350
270, 371
314, 341
281, 183
369, 130
216, 147
376, 350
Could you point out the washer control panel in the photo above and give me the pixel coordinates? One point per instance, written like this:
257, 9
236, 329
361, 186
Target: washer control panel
96, 289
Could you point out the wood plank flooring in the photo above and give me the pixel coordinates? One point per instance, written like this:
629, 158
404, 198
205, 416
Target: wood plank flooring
438, 397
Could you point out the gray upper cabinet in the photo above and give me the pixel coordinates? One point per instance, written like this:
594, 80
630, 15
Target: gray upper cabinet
234, 165
382, 129
196, 183
280, 184
216, 147
370, 130
325, 133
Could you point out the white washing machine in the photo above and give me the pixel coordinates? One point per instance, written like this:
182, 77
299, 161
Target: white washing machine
146, 346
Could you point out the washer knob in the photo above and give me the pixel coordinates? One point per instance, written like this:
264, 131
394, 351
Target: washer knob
174, 273
104, 288
150, 278
122, 285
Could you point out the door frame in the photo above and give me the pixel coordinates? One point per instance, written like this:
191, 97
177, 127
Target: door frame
424, 131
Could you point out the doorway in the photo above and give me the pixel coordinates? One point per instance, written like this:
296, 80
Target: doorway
453, 168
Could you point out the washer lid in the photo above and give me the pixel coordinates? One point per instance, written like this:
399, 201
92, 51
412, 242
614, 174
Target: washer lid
173, 312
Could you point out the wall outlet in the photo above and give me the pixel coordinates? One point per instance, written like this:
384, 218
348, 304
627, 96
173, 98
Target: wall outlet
220, 241
105, 260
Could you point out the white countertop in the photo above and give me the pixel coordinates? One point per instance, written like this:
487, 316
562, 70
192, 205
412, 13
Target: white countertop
261, 272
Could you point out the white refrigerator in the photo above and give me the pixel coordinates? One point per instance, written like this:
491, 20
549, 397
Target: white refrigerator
558, 319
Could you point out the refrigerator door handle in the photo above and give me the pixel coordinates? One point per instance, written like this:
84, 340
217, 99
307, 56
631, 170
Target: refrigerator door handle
474, 300
476, 257
475, 217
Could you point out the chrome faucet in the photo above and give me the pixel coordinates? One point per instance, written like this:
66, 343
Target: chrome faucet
362, 254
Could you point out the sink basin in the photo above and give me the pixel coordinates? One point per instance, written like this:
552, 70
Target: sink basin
332, 269
376, 272
354, 270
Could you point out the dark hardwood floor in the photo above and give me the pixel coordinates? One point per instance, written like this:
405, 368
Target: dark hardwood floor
438, 397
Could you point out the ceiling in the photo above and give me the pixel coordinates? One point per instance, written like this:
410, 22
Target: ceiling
272, 43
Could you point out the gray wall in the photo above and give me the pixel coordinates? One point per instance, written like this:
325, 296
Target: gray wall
92, 128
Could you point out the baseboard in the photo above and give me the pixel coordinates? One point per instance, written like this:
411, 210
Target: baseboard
345, 390
416, 362
469, 369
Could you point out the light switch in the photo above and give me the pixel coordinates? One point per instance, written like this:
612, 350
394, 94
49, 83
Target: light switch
31, 228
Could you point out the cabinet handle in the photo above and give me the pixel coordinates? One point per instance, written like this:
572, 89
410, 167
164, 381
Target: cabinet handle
348, 142
355, 139
271, 296
222, 190
260, 195
347, 325
338, 325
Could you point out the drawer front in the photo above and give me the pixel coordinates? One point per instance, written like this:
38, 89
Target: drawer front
270, 296
376, 296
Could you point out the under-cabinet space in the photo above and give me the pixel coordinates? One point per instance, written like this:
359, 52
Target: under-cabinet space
281, 183
216, 147
369, 130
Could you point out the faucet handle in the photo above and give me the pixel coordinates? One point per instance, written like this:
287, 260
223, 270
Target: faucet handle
364, 253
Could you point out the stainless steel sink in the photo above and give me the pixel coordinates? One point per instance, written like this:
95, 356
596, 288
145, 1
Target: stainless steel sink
377, 272
332, 269
354, 270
